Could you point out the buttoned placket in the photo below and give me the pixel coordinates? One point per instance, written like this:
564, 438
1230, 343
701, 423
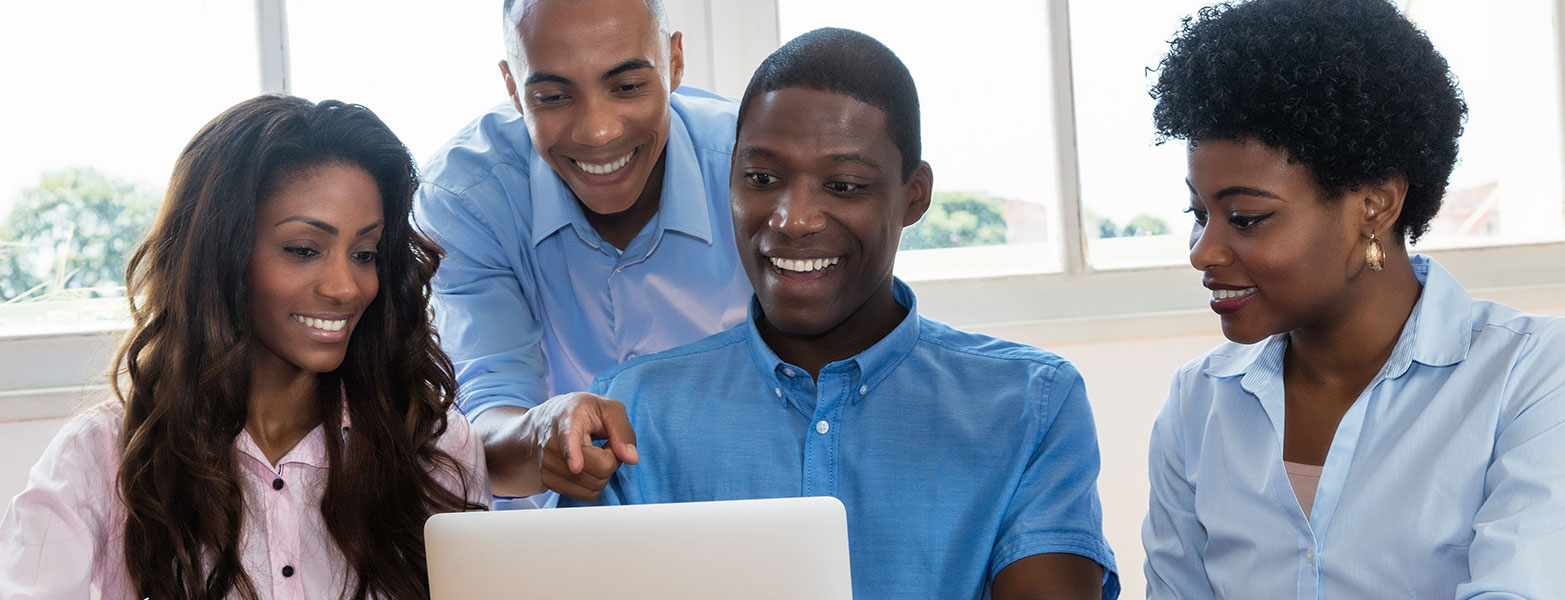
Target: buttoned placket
835, 388
632, 256
1268, 389
282, 531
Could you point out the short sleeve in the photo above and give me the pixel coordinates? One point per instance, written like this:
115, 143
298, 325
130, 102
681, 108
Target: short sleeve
1055, 508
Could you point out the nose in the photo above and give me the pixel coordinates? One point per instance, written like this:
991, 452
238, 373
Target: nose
798, 214
339, 280
597, 124
1207, 248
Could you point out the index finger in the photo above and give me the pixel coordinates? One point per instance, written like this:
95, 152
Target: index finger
615, 426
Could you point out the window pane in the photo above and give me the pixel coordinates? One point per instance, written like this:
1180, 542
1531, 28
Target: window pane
1506, 187
984, 88
426, 70
107, 94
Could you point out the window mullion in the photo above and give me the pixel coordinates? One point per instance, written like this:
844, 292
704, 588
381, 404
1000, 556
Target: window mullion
1072, 239
271, 22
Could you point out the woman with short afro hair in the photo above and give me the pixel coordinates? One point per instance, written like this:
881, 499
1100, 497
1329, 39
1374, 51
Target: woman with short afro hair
1369, 430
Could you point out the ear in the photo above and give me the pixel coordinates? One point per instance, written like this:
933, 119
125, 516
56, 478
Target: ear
1382, 205
920, 189
676, 60
510, 85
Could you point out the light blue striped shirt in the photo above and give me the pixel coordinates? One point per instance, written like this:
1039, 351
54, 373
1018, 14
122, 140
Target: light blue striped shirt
1446, 478
530, 302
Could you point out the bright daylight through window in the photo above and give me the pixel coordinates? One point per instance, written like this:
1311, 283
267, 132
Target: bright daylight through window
100, 107
1507, 184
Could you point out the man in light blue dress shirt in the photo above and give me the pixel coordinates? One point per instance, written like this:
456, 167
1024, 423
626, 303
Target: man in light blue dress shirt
585, 222
968, 465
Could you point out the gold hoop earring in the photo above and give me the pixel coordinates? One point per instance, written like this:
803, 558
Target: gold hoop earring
1374, 255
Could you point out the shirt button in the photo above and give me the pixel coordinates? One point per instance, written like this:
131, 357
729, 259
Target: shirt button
788, 372
822, 427
1309, 555
863, 389
778, 391
277, 484
288, 571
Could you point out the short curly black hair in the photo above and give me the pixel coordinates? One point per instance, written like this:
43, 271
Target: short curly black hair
1349, 88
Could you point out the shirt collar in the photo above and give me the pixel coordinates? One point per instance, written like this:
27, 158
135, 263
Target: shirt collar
875, 363
1437, 333
683, 206
309, 451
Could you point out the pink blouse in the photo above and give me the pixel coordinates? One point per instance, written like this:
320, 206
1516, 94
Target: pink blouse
62, 536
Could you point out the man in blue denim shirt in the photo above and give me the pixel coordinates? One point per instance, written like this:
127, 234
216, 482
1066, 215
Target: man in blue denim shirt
585, 222
967, 464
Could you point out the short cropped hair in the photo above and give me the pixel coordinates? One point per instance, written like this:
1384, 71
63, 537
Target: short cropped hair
513, 38
846, 62
1349, 88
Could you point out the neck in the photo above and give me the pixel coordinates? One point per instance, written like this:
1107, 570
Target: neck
1353, 344
621, 227
283, 406
867, 325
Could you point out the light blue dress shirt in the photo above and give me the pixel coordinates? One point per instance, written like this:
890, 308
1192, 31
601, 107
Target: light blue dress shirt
955, 453
530, 302
1446, 478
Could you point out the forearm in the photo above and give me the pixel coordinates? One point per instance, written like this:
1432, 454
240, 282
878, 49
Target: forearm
510, 452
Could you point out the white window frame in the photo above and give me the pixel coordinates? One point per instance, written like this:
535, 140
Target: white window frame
50, 375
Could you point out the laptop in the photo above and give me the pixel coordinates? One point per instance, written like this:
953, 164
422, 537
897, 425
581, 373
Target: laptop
778, 548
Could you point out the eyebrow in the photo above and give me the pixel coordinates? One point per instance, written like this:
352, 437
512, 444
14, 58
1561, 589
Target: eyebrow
854, 157
752, 152
630, 64
1236, 190
327, 227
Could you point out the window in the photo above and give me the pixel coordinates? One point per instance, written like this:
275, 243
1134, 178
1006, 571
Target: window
425, 72
98, 109
985, 93
1506, 188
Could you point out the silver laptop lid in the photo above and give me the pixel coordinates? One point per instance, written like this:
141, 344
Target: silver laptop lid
778, 548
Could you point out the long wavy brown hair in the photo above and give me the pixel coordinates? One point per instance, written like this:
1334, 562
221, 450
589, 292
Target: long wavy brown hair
183, 370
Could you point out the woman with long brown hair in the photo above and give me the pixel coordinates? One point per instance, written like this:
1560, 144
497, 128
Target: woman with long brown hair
284, 423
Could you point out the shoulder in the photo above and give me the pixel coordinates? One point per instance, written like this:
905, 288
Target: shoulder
709, 118
94, 434
84, 456
1534, 345
947, 344
496, 141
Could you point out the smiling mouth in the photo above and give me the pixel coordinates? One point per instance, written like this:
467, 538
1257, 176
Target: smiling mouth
805, 265
321, 324
605, 168
1218, 295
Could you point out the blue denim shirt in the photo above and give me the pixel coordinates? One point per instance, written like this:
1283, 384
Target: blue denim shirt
955, 453
530, 302
1446, 478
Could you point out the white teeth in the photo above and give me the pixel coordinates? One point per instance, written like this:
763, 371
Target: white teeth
322, 324
803, 265
1226, 294
605, 169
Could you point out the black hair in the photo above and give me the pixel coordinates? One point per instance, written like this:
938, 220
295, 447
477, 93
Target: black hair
843, 61
1349, 88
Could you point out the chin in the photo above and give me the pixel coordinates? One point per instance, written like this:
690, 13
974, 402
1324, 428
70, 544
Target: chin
1241, 335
